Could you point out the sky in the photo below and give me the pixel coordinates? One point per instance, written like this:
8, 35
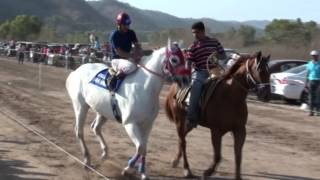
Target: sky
239, 10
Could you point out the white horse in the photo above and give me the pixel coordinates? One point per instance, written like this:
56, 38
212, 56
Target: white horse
137, 97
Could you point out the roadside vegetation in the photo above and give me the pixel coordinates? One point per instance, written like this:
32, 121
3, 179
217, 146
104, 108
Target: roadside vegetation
281, 38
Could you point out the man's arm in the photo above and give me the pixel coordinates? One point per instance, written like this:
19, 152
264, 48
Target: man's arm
307, 77
221, 55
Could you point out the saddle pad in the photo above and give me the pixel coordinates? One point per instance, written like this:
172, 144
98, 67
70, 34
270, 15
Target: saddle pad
100, 80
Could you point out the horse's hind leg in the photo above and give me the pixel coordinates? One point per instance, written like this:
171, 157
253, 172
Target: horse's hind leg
216, 138
96, 127
80, 110
239, 136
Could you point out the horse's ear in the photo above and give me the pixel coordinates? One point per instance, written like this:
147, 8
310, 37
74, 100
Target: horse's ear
268, 57
258, 55
169, 43
180, 43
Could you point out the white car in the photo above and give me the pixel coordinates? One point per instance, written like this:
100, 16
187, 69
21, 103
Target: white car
290, 84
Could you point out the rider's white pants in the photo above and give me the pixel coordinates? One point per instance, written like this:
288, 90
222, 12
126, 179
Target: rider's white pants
123, 66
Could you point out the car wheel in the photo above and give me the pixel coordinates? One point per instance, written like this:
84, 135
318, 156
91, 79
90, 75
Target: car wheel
291, 101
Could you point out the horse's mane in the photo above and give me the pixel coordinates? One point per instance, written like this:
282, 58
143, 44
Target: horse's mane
145, 59
243, 58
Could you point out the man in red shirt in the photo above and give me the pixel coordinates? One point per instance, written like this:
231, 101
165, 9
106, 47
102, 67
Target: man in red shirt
198, 54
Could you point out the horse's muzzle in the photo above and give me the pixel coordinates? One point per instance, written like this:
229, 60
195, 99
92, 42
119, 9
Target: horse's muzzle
264, 92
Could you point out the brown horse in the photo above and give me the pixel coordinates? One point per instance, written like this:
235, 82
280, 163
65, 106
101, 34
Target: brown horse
225, 109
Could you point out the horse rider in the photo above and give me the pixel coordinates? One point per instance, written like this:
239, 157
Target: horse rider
122, 39
198, 53
313, 82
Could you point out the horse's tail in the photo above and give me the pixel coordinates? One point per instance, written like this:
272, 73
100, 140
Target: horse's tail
168, 110
68, 82
170, 104
72, 83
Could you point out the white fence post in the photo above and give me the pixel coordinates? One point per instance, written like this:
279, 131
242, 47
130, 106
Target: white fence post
40, 76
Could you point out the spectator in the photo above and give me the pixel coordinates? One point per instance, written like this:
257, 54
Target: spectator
313, 83
97, 45
21, 51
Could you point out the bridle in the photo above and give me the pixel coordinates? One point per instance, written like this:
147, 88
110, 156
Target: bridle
165, 69
250, 78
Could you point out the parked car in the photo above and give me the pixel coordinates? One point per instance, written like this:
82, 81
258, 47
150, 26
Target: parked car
290, 84
2, 48
280, 65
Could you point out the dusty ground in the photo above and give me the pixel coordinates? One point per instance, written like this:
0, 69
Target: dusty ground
282, 142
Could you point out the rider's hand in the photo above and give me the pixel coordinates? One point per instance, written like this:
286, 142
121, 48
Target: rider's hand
135, 56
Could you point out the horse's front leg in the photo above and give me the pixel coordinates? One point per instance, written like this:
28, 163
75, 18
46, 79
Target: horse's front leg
176, 160
216, 138
139, 135
180, 125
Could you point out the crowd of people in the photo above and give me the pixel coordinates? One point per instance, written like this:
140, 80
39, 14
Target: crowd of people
45, 52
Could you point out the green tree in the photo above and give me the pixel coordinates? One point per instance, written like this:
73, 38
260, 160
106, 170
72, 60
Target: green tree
284, 31
22, 27
5, 29
247, 33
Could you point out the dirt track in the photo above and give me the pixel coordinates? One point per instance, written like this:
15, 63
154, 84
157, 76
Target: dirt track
282, 142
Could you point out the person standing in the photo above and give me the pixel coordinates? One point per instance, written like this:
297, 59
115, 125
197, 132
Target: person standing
198, 54
21, 52
313, 83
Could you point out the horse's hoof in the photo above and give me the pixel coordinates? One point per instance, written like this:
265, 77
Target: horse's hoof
127, 171
208, 172
87, 164
175, 163
144, 177
187, 173
104, 156
203, 177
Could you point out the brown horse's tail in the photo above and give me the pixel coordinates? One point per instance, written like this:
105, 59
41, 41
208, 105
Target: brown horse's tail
169, 104
168, 110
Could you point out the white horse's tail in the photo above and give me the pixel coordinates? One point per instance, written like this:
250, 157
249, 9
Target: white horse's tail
73, 83
69, 79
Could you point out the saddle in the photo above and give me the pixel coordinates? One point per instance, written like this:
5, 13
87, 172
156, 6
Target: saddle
209, 87
114, 80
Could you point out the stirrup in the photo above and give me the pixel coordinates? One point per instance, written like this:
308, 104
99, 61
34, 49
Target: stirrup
111, 82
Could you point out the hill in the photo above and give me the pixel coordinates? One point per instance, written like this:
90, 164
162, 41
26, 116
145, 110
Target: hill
80, 15
147, 20
65, 15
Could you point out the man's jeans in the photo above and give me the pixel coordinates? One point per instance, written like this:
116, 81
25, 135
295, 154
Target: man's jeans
198, 78
314, 95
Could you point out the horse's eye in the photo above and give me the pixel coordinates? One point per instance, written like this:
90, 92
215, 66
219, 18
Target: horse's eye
174, 61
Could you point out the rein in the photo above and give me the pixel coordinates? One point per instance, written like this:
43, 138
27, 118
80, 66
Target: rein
250, 77
150, 71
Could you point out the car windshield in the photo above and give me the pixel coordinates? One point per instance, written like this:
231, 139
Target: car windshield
297, 70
